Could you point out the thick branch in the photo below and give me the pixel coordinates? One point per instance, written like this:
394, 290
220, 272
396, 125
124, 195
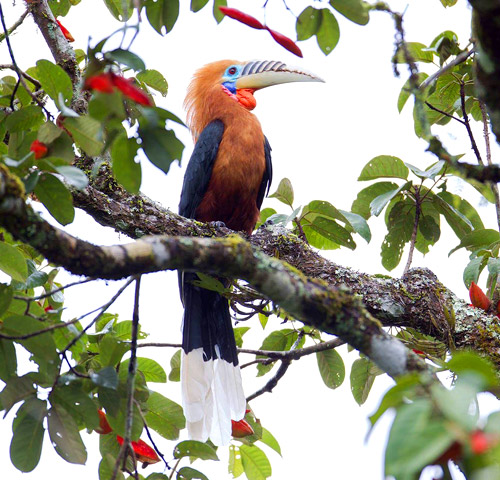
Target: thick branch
418, 300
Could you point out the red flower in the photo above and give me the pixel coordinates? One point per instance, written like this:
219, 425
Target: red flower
143, 452
39, 149
478, 298
102, 83
127, 87
241, 428
285, 42
65, 32
104, 426
242, 17
480, 442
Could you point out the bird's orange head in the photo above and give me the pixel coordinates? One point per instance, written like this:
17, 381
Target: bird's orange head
226, 85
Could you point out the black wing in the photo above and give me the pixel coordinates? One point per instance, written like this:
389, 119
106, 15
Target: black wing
268, 175
199, 169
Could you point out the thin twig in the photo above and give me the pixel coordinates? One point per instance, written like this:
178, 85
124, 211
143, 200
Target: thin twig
19, 72
486, 134
285, 363
148, 433
49, 294
30, 79
98, 316
415, 230
11, 30
467, 124
39, 332
446, 114
460, 58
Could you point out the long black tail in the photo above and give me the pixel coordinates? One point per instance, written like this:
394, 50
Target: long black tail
211, 381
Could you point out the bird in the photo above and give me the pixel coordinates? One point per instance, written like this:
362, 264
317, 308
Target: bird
227, 177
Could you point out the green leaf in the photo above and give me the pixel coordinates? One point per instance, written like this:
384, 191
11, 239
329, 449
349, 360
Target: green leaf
405, 92
210, 283
107, 377
284, 193
65, 437
278, 340
417, 51
48, 132
477, 239
188, 473
362, 378
238, 335
416, 439
175, 367
395, 396
361, 205
162, 14
77, 402
15, 390
331, 367
308, 23
27, 118
154, 79
197, 5
359, 224
56, 198
470, 363
87, 133
54, 80
12, 262
106, 468
270, 441
151, 369
400, 227
355, 10
165, 416
255, 463
116, 9
27, 439
235, 467
8, 362
429, 228
127, 58
161, 146
117, 420
328, 33
330, 230
74, 176
384, 166
218, 15
463, 207
379, 203
111, 350
59, 8
42, 346
195, 449
126, 170
6, 291
473, 270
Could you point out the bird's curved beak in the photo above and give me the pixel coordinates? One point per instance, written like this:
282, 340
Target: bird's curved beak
261, 74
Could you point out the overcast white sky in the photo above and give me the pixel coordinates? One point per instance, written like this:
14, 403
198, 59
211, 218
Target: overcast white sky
322, 135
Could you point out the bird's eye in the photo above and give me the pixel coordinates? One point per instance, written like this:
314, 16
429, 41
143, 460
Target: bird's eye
232, 71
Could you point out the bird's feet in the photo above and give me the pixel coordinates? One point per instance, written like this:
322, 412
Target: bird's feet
217, 224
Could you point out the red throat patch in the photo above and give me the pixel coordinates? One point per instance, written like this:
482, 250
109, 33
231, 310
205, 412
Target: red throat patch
245, 97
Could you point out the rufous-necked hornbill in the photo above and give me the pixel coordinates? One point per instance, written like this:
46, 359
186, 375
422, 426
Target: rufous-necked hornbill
227, 177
